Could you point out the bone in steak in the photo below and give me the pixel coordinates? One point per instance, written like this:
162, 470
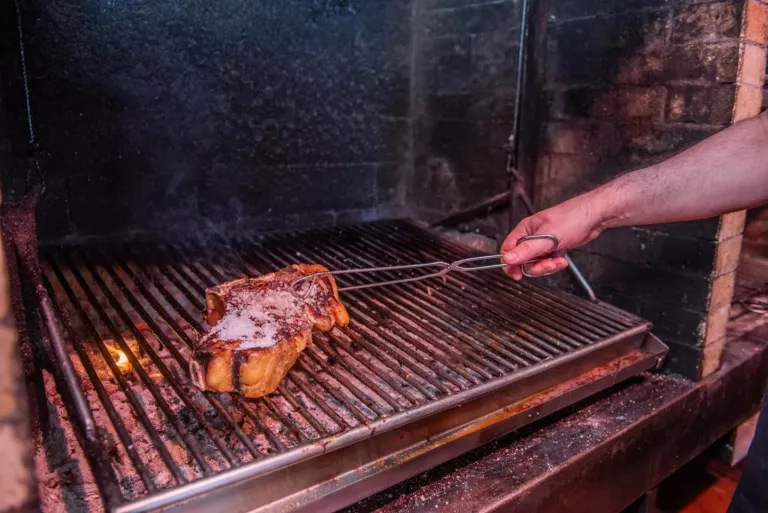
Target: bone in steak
259, 326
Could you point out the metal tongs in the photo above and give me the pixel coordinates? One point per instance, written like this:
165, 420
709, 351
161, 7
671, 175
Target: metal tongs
443, 267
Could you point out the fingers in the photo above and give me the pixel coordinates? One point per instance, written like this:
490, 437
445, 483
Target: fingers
541, 268
548, 266
513, 271
527, 250
522, 229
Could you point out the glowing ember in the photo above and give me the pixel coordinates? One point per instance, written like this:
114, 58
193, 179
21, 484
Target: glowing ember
120, 358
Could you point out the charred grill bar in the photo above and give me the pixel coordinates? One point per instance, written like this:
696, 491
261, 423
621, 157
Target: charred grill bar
412, 352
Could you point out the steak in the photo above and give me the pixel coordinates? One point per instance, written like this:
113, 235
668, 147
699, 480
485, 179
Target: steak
260, 326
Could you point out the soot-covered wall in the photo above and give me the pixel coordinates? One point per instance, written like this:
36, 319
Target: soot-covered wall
466, 55
157, 116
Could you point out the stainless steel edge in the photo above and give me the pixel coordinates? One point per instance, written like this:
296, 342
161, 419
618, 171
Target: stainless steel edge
376, 476
263, 467
372, 465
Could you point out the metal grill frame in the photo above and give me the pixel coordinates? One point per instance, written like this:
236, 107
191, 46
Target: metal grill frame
492, 364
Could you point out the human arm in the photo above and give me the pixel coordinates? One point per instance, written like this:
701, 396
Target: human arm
724, 173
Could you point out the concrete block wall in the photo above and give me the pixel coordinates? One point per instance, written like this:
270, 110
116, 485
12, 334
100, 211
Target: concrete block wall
630, 84
463, 89
212, 117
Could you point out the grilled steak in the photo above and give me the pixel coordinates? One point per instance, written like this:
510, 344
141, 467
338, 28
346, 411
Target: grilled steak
259, 326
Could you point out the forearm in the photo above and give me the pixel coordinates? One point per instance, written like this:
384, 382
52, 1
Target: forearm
726, 172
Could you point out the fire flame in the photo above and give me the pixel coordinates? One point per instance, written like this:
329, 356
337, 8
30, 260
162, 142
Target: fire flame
122, 360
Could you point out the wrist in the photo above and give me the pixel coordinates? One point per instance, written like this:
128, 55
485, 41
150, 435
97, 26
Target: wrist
611, 204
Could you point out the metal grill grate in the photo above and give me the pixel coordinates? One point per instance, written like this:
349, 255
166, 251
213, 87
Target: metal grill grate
132, 313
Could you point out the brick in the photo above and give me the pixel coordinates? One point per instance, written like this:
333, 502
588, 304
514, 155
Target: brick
749, 101
10, 372
683, 359
447, 4
701, 104
753, 60
711, 357
731, 225
570, 103
756, 22
665, 139
53, 221
647, 283
564, 167
583, 138
390, 184
448, 45
727, 259
717, 323
473, 19
473, 106
5, 288
644, 68
294, 190
568, 138
620, 104
475, 189
493, 75
541, 181
15, 477
703, 62
707, 21
446, 133
496, 46
623, 48
721, 291
700, 229
645, 247
467, 163
452, 73
669, 322
462, 74
566, 176
630, 103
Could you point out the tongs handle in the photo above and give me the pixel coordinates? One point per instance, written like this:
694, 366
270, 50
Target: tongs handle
538, 236
443, 267
459, 264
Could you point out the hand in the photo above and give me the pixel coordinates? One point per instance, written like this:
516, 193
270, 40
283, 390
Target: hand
574, 223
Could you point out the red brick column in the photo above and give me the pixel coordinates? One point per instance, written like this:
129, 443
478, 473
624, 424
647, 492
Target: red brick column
18, 488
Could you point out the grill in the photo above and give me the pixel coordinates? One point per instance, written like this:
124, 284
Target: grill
413, 351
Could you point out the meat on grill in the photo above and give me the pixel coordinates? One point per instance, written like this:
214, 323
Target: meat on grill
259, 326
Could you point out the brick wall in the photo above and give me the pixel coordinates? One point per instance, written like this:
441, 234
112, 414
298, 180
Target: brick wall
629, 84
756, 37
463, 85
18, 487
